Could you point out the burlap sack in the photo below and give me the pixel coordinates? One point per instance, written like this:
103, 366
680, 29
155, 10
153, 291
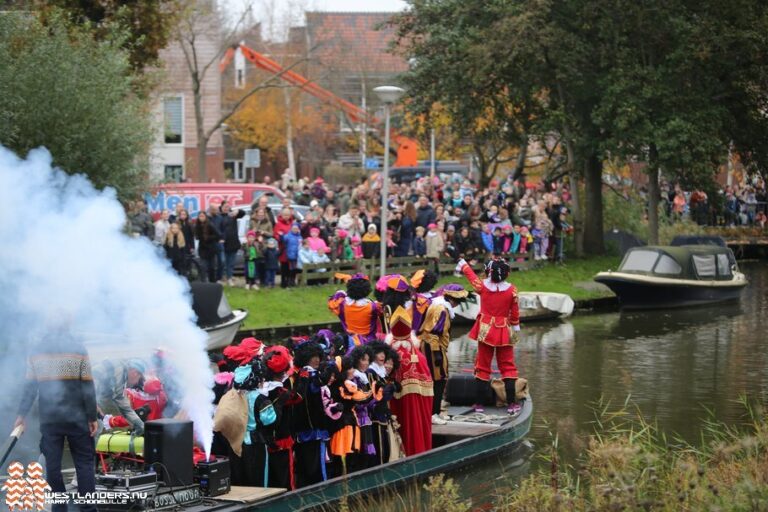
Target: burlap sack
521, 391
231, 419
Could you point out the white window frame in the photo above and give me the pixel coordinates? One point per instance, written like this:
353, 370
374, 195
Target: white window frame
183, 172
239, 173
183, 115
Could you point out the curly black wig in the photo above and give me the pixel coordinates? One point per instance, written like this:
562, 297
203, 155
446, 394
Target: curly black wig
330, 369
359, 353
497, 270
358, 288
304, 352
377, 347
428, 282
393, 298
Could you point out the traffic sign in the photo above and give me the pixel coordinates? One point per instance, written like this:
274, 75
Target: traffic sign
372, 163
252, 158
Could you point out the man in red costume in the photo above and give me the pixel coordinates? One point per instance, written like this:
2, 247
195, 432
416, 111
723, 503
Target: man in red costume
496, 328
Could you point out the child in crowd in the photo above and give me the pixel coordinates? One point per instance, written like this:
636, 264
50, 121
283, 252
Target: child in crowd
541, 233
254, 260
419, 244
357, 247
291, 245
435, 245
487, 238
514, 247
371, 242
498, 240
271, 262
507, 232
525, 240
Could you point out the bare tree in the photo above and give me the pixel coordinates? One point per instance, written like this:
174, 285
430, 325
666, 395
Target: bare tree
204, 42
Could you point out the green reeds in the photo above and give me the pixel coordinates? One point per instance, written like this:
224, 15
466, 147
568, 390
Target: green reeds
630, 465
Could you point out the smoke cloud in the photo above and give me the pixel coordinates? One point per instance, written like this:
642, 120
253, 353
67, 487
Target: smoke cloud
64, 255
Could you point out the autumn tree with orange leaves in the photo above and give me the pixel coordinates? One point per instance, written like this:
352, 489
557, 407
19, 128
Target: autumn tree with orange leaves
261, 122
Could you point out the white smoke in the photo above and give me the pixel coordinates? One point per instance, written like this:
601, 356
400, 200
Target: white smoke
63, 253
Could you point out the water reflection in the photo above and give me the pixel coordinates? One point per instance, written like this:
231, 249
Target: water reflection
675, 364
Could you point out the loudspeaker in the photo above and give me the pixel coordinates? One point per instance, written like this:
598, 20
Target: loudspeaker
169, 442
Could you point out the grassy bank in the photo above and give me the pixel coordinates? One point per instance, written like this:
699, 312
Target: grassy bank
627, 464
297, 306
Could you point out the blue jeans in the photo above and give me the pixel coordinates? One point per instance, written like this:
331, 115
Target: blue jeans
220, 259
83, 449
229, 258
269, 277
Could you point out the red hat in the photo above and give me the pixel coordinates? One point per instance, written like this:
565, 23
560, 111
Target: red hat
281, 350
432, 225
278, 362
245, 351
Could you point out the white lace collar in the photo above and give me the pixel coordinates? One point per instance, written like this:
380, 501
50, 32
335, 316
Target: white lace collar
269, 386
378, 369
359, 302
496, 287
362, 376
440, 301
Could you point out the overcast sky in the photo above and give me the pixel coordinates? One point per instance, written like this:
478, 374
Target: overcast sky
290, 8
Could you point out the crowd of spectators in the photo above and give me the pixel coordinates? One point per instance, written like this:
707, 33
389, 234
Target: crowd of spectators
427, 218
736, 205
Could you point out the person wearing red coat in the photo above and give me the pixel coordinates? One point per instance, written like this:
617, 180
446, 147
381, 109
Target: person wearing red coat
496, 328
283, 226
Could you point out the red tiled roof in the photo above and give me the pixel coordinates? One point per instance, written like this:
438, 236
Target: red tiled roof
350, 41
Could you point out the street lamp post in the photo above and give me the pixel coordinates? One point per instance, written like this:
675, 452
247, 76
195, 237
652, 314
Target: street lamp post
388, 95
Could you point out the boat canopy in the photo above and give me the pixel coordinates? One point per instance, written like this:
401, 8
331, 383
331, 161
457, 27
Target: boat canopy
697, 262
210, 304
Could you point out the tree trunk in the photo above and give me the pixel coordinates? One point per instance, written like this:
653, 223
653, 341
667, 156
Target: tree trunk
521, 156
202, 140
482, 163
654, 193
289, 135
593, 208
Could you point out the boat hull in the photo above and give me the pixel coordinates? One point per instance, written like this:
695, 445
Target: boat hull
640, 292
508, 437
219, 336
534, 307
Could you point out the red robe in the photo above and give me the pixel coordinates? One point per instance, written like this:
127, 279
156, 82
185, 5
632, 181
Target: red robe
413, 404
499, 310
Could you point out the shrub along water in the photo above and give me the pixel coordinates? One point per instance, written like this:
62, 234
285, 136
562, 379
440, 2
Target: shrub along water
628, 465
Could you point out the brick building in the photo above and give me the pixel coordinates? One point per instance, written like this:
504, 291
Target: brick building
175, 154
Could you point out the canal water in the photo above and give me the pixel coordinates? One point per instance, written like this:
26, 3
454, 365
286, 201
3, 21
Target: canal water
678, 367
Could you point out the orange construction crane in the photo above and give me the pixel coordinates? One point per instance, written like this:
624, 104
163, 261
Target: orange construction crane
407, 151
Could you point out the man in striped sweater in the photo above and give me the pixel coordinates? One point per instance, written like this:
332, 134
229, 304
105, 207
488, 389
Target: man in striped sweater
58, 371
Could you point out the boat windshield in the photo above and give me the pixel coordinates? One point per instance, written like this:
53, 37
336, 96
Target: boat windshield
704, 265
639, 261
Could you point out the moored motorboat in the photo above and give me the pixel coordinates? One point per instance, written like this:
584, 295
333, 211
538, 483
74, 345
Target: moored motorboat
534, 306
666, 276
214, 315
